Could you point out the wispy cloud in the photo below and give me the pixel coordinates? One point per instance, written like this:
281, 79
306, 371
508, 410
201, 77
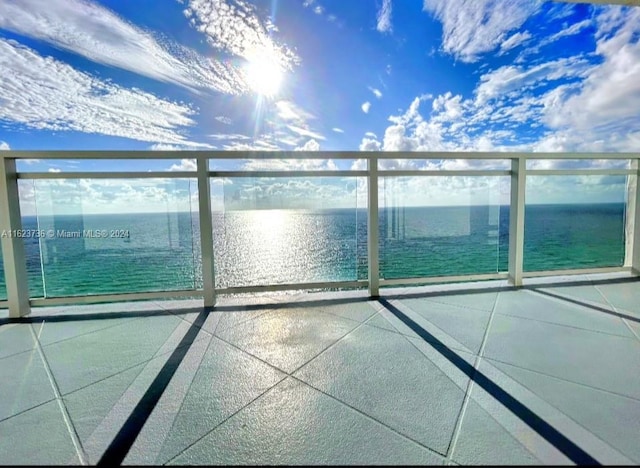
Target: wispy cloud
98, 34
170, 147
471, 28
46, 94
337, 130
384, 17
365, 107
236, 28
224, 120
292, 124
511, 78
570, 31
514, 41
376, 92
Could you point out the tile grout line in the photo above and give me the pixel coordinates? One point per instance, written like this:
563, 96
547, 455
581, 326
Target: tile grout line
140, 363
286, 375
360, 324
175, 416
580, 384
396, 303
368, 416
600, 332
227, 419
616, 310
63, 409
585, 305
132, 319
467, 396
409, 338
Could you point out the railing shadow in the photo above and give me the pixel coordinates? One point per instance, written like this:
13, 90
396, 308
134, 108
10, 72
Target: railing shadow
128, 433
587, 305
79, 317
531, 419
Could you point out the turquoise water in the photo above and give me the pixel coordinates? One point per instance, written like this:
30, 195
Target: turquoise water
154, 252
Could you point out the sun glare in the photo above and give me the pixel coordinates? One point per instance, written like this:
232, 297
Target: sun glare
264, 76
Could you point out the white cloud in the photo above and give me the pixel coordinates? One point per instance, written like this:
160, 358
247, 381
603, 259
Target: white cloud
54, 170
4, 146
371, 135
471, 28
337, 130
224, 120
185, 165
365, 107
515, 40
318, 10
310, 145
605, 108
107, 196
384, 17
99, 35
44, 93
289, 111
305, 132
376, 92
291, 125
370, 144
236, 28
170, 147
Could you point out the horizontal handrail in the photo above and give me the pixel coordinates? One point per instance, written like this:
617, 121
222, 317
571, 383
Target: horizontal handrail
242, 155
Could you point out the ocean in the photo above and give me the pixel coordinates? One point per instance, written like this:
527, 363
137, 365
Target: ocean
118, 253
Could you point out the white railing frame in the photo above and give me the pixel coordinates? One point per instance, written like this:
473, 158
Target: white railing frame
19, 302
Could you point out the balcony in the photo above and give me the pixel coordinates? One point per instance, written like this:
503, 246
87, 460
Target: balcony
486, 337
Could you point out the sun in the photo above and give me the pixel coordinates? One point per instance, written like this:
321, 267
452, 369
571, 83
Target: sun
264, 76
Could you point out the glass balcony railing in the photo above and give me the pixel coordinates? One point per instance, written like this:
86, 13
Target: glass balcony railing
109, 236
443, 226
322, 220
3, 284
289, 230
581, 226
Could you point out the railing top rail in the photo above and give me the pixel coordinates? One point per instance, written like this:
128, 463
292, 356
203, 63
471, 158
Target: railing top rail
147, 154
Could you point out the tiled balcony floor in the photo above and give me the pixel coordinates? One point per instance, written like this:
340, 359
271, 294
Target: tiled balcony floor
460, 374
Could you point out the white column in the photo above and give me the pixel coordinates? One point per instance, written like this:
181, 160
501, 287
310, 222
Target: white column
13, 254
206, 232
632, 228
516, 220
372, 228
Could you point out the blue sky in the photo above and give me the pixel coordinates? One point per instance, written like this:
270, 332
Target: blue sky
390, 75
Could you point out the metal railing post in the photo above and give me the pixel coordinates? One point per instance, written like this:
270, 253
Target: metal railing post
516, 219
632, 228
372, 227
206, 232
13, 253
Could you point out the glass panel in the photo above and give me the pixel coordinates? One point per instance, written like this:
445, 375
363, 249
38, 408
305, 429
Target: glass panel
578, 164
441, 226
26, 191
287, 231
3, 284
444, 164
111, 236
285, 165
574, 222
105, 165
